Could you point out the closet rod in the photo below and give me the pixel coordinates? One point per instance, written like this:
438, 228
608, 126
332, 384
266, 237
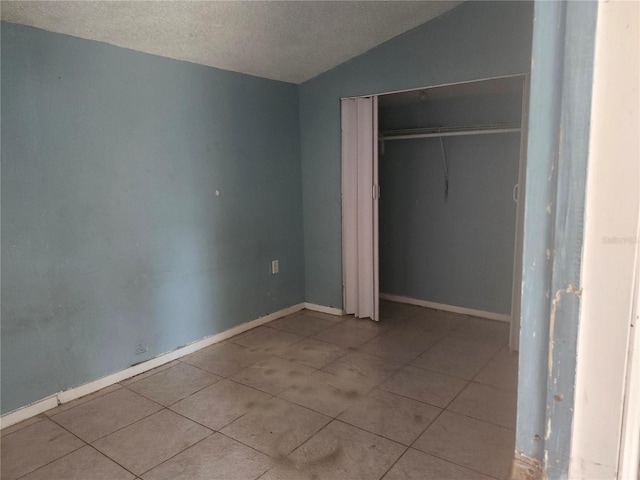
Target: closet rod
482, 131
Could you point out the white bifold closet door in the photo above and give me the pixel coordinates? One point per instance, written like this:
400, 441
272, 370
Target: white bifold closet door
360, 193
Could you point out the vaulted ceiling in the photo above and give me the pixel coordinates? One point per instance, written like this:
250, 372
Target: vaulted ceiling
291, 41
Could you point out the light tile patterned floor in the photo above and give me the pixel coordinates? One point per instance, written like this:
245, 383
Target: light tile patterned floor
421, 395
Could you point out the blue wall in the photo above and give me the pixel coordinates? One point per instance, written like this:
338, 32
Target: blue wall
475, 40
458, 252
113, 240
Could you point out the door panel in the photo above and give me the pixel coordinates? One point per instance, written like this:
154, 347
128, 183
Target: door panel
360, 207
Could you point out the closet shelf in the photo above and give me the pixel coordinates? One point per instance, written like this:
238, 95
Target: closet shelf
446, 131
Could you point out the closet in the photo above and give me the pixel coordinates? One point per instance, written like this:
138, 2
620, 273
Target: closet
451, 171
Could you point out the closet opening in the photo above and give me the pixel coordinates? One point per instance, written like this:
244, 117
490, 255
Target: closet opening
433, 199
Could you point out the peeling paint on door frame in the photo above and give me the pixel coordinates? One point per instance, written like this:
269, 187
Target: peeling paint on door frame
572, 289
560, 106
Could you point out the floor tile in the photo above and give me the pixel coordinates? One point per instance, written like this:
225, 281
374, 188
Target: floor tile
214, 458
365, 323
106, 414
25, 423
416, 465
345, 336
392, 416
325, 393
225, 359
33, 446
363, 367
425, 386
468, 442
472, 345
431, 322
341, 451
272, 375
151, 441
490, 404
148, 373
268, 340
499, 374
326, 316
276, 428
220, 404
79, 401
301, 324
285, 469
421, 328
174, 384
83, 464
450, 320
489, 332
397, 312
246, 333
461, 364
399, 346
506, 355
313, 353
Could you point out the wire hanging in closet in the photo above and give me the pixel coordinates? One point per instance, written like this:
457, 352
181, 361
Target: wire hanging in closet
446, 170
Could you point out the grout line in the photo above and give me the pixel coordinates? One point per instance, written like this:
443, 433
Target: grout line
406, 447
371, 433
113, 460
114, 431
454, 413
141, 376
56, 459
219, 431
85, 444
32, 421
180, 399
306, 365
454, 463
347, 349
230, 422
431, 370
213, 432
502, 389
394, 463
411, 398
265, 453
316, 433
201, 369
480, 420
377, 433
427, 427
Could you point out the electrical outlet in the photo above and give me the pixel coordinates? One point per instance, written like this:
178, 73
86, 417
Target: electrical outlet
275, 267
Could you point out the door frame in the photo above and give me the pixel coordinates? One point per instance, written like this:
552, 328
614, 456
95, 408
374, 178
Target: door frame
519, 197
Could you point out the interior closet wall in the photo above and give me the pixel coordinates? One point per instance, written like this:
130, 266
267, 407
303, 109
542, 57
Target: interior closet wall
457, 251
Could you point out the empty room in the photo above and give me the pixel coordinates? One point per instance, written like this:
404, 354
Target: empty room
319, 240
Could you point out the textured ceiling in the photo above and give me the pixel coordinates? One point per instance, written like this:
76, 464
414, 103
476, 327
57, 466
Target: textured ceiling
288, 40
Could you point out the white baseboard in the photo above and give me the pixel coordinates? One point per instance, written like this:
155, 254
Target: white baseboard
323, 309
59, 398
447, 308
